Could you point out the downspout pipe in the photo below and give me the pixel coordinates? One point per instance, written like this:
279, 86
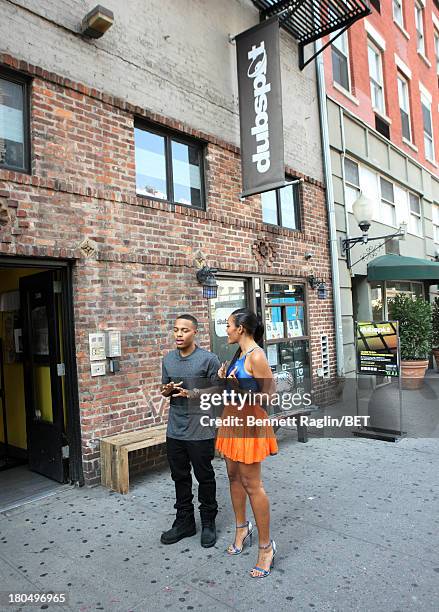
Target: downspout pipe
333, 242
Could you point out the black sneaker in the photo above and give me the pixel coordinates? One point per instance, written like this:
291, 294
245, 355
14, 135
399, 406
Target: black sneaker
180, 529
208, 534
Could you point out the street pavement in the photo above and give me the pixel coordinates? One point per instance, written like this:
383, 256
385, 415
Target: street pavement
356, 523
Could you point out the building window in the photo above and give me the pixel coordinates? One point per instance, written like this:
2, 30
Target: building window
436, 50
376, 300
352, 183
282, 206
340, 61
285, 331
428, 127
419, 21
436, 223
404, 107
410, 289
376, 77
415, 219
169, 167
388, 212
14, 123
397, 12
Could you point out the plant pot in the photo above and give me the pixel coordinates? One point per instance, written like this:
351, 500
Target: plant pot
413, 373
436, 356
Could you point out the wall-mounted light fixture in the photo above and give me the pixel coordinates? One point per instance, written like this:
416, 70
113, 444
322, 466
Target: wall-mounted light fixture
320, 285
97, 22
363, 209
206, 278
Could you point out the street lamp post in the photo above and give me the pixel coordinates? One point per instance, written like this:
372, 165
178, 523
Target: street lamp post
363, 210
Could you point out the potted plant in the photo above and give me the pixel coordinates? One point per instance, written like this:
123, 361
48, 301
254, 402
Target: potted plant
435, 323
415, 333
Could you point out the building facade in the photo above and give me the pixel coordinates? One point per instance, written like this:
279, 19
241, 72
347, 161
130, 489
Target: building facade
119, 175
382, 106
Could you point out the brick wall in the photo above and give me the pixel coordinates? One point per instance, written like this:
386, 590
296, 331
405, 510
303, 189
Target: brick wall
83, 185
403, 43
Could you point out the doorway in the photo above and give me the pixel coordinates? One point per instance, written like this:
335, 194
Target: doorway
39, 414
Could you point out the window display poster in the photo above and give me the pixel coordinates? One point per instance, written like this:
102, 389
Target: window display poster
294, 328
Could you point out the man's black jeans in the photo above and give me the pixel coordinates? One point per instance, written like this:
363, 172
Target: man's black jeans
198, 453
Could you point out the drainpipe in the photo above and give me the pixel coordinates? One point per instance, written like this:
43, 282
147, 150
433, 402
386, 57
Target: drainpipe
333, 242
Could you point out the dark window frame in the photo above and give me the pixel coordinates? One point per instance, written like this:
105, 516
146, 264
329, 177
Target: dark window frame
297, 187
15, 77
283, 307
169, 136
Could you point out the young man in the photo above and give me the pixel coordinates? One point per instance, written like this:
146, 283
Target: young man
188, 442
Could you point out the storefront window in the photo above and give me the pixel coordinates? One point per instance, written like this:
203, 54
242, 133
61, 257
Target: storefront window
232, 294
376, 296
285, 328
281, 305
409, 288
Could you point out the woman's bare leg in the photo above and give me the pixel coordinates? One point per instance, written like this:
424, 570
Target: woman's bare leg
251, 481
239, 500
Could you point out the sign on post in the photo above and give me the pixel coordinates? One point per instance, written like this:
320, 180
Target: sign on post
260, 108
377, 348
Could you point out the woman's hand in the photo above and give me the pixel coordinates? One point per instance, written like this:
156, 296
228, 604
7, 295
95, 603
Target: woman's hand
232, 378
223, 369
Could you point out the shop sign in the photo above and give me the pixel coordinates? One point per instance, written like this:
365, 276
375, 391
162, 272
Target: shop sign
260, 108
378, 348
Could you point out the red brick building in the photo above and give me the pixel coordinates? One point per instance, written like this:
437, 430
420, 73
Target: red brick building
404, 34
382, 103
91, 246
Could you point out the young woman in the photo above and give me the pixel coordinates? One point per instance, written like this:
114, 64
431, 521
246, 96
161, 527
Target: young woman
245, 446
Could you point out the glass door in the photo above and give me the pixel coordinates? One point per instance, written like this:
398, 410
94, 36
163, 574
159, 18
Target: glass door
43, 373
232, 294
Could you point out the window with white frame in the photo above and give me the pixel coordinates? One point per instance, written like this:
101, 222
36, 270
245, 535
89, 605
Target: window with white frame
388, 208
404, 106
436, 49
436, 223
397, 12
419, 21
376, 77
415, 218
352, 183
428, 126
340, 61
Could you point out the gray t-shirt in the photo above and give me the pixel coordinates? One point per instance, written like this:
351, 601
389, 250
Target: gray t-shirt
197, 370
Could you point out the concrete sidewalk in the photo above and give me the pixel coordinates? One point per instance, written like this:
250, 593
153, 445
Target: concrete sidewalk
356, 523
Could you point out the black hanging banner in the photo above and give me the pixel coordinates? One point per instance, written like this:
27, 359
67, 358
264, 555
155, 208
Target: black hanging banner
260, 108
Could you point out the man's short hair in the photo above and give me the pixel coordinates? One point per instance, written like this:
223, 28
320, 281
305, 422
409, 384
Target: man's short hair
188, 317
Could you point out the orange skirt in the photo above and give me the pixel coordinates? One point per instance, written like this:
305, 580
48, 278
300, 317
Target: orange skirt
244, 442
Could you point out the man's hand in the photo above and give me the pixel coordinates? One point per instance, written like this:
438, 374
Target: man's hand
170, 388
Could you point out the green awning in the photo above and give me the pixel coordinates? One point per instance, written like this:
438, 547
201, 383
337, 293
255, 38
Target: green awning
397, 267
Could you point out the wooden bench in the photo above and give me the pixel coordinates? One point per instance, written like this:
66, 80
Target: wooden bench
115, 449
114, 454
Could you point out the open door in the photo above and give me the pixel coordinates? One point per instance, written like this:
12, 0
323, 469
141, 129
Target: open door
43, 373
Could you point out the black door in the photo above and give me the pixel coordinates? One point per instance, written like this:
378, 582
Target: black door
43, 373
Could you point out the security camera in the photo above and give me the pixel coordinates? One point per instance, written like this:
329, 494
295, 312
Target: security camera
308, 256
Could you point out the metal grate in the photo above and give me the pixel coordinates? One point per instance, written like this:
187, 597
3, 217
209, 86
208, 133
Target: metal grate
309, 20
324, 346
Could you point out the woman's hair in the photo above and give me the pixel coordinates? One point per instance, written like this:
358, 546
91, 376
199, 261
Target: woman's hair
250, 322
252, 325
